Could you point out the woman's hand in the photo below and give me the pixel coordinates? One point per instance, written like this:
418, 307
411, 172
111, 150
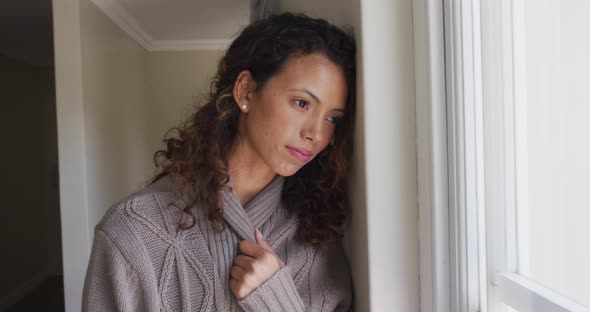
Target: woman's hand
255, 264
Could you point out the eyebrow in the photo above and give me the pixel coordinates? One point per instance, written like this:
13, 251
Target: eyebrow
314, 97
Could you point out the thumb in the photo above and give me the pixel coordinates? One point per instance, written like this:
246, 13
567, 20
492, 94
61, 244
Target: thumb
261, 242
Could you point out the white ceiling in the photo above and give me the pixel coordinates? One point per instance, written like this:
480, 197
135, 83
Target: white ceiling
179, 24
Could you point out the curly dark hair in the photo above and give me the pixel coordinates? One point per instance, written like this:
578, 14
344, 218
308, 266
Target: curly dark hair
199, 154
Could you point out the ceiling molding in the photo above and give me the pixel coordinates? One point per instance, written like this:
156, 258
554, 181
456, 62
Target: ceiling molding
127, 23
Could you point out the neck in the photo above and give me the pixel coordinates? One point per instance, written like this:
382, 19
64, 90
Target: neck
248, 172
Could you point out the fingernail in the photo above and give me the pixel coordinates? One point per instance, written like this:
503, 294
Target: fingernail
258, 231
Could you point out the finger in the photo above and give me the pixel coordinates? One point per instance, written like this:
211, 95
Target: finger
262, 242
237, 272
236, 288
245, 262
251, 249
234, 285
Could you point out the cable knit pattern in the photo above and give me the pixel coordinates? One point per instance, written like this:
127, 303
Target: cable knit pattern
141, 261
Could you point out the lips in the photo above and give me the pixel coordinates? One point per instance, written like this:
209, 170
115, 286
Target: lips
300, 154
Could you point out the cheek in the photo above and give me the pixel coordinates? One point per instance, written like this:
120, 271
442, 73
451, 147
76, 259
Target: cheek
281, 122
281, 116
279, 111
267, 127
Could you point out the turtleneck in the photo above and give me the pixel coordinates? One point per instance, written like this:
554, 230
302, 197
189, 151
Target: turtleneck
142, 261
245, 220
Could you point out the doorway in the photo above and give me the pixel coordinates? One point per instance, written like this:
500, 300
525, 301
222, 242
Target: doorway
31, 266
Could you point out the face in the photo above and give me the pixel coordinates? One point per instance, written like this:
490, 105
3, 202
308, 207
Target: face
292, 118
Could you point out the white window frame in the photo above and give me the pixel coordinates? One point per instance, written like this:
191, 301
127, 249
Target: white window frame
435, 292
472, 156
449, 157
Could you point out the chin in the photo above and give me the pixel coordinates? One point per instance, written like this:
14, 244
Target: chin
287, 169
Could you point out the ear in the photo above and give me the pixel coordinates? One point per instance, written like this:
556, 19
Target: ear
243, 90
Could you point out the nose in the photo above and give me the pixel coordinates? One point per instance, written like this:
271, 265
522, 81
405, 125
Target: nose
312, 131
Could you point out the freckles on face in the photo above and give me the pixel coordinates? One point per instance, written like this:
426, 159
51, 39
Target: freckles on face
296, 109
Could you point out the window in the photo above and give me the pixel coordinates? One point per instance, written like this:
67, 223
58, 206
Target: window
506, 223
535, 114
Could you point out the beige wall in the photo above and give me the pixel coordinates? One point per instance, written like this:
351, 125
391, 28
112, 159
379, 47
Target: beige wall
386, 83
101, 127
131, 98
115, 101
176, 83
72, 159
115, 118
339, 12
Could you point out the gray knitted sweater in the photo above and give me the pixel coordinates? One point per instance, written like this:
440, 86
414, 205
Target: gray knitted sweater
141, 261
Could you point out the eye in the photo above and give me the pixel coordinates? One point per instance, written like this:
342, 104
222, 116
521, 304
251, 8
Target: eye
334, 119
301, 103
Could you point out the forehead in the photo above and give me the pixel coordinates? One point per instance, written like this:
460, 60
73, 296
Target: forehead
315, 73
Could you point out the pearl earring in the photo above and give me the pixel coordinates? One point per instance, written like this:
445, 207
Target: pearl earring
244, 107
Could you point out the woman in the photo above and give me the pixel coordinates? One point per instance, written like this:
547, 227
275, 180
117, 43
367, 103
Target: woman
248, 210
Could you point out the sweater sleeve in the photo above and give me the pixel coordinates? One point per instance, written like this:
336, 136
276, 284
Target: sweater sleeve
330, 287
278, 293
111, 283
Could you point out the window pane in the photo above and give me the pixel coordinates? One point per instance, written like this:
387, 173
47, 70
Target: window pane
557, 45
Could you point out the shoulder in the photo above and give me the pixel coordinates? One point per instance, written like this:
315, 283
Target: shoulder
153, 210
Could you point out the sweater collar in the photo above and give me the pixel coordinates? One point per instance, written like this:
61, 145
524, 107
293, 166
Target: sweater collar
245, 220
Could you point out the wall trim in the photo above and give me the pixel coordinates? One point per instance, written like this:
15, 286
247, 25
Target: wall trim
69, 110
467, 227
431, 130
119, 15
